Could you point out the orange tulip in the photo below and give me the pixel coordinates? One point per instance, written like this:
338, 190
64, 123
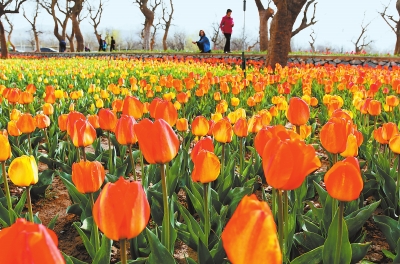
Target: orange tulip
117, 105
73, 116
13, 129
392, 100
206, 167
265, 134
343, 181
222, 131
132, 107
42, 121
394, 144
50, 95
5, 147
31, 88
334, 134
378, 136
94, 121
182, 124
286, 163
26, 123
121, 218
250, 235
182, 97
241, 127
26, 98
62, 122
26, 242
389, 130
88, 176
298, 112
48, 109
107, 119
163, 110
124, 131
374, 108
157, 141
13, 95
203, 144
200, 126
83, 133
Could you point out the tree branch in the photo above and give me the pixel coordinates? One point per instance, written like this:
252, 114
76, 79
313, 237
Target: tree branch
304, 23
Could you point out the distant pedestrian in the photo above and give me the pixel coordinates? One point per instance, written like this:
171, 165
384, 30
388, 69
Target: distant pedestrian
226, 26
203, 43
63, 46
100, 43
104, 45
112, 45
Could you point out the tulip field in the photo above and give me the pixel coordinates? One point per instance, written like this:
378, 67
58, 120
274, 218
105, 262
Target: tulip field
291, 165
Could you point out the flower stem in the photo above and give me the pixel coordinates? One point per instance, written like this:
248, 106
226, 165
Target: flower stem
47, 138
132, 162
109, 152
28, 197
79, 155
7, 189
166, 231
241, 155
96, 229
122, 250
223, 160
142, 165
398, 183
206, 197
298, 131
339, 235
280, 222
285, 214
83, 153
29, 143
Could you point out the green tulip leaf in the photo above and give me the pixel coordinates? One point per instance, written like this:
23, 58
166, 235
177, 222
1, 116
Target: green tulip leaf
159, 254
103, 256
204, 254
312, 257
21, 203
52, 222
357, 219
359, 251
86, 242
389, 228
71, 260
329, 254
309, 240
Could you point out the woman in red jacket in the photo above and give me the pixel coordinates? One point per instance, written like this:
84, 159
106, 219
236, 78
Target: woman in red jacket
226, 26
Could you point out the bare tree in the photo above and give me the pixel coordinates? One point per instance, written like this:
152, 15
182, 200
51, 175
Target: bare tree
10, 31
178, 41
7, 7
281, 30
154, 34
312, 42
50, 6
304, 22
359, 46
396, 29
149, 19
265, 14
216, 37
95, 17
32, 22
167, 18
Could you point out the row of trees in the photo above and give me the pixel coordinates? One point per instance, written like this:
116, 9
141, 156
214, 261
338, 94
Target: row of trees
274, 36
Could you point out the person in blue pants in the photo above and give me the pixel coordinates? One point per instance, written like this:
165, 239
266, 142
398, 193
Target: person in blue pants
203, 43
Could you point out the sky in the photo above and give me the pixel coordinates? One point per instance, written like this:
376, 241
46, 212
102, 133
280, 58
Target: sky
339, 21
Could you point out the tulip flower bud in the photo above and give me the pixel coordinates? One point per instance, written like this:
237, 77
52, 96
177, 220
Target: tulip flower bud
23, 171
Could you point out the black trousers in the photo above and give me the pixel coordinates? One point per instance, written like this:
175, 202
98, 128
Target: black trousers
201, 47
227, 47
112, 48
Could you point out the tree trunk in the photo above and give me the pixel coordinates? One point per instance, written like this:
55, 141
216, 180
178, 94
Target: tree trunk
3, 42
71, 41
397, 47
263, 30
37, 41
281, 31
146, 33
78, 34
164, 39
9, 41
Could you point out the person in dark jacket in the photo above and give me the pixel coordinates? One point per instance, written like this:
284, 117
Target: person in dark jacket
112, 45
226, 26
100, 43
203, 43
63, 46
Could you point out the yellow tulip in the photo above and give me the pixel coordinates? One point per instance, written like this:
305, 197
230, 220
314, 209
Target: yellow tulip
23, 171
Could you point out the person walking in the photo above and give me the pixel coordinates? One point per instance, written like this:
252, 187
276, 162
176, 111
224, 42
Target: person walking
100, 43
203, 43
112, 45
226, 26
